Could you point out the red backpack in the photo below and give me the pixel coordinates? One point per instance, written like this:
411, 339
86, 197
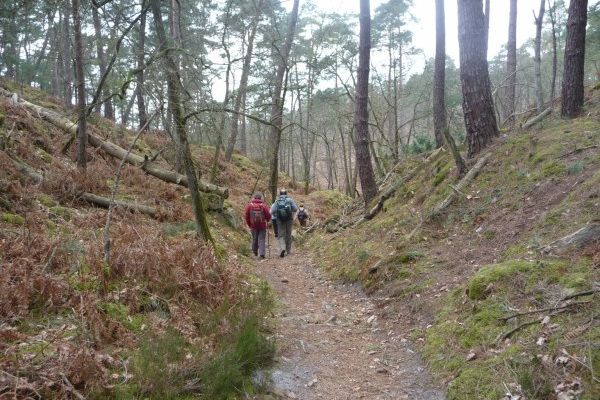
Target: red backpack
257, 214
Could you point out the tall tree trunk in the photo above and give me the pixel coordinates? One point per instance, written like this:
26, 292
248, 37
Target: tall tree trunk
176, 107
108, 108
277, 106
552, 13
487, 24
539, 21
221, 131
243, 139
361, 115
67, 76
42, 55
81, 103
478, 106
243, 87
572, 87
439, 78
139, 90
10, 38
511, 64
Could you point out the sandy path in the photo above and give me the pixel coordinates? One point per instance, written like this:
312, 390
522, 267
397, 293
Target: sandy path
331, 343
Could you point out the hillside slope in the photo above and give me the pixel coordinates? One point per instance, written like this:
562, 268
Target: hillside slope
165, 318
456, 277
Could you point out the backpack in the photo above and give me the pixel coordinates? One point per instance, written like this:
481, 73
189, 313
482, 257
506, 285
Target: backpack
284, 210
257, 214
302, 215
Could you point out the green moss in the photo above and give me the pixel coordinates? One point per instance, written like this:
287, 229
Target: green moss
47, 158
121, 313
440, 176
476, 383
410, 256
61, 212
553, 168
46, 200
13, 219
179, 228
476, 287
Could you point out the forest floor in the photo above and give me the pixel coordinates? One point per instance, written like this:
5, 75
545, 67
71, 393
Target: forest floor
331, 341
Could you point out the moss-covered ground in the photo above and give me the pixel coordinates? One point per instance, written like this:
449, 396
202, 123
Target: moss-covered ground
453, 278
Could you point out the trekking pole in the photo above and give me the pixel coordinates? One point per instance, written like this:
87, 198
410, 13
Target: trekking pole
268, 244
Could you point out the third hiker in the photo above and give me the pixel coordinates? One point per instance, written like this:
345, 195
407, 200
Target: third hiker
283, 209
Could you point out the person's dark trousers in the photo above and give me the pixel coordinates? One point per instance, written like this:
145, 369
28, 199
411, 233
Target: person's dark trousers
258, 241
284, 235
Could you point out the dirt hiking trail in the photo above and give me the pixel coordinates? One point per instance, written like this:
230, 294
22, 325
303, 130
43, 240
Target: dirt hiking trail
331, 342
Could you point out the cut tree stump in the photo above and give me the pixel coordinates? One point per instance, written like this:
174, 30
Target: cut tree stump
116, 151
464, 182
581, 238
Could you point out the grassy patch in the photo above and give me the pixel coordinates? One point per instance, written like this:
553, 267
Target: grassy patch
13, 219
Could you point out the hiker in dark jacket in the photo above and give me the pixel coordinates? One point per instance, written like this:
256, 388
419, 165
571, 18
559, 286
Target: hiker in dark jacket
302, 215
283, 209
257, 218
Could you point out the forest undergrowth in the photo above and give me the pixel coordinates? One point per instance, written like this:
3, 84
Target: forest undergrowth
167, 317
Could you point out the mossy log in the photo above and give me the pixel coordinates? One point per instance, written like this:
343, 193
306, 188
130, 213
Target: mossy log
25, 169
464, 182
537, 118
117, 151
581, 238
387, 194
104, 202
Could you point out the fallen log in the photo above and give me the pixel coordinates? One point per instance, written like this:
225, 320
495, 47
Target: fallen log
464, 182
25, 169
104, 202
578, 239
117, 151
537, 118
387, 194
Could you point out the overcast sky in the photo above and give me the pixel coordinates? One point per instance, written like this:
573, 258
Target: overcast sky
424, 27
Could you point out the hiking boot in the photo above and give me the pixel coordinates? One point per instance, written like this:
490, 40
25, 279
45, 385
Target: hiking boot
282, 254
262, 257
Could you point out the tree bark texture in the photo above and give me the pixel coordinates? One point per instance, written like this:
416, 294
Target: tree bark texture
511, 64
108, 108
81, 101
176, 107
67, 75
439, 78
552, 13
572, 87
243, 86
539, 93
277, 106
361, 114
142, 116
478, 106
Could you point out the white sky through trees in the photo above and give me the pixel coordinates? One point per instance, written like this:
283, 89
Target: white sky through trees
424, 27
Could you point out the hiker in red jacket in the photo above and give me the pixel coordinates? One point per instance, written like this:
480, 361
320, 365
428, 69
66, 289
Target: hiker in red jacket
257, 218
